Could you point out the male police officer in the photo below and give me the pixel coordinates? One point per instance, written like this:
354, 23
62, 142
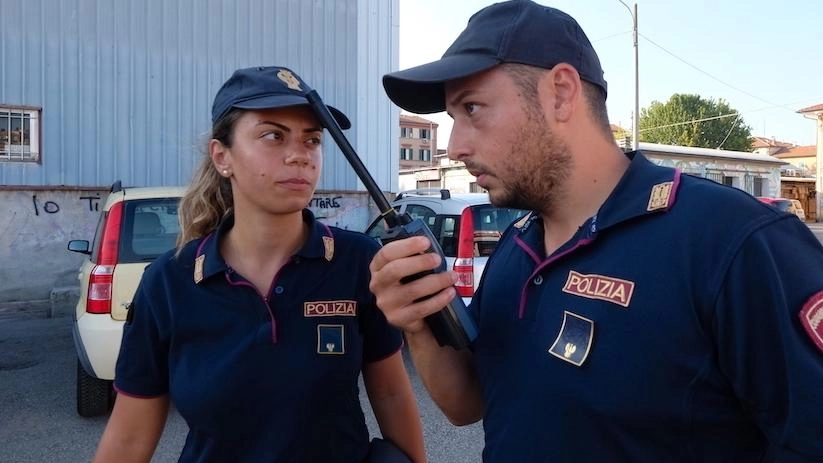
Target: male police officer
637, 314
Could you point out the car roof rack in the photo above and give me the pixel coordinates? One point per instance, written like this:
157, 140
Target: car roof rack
116, 186
443, 192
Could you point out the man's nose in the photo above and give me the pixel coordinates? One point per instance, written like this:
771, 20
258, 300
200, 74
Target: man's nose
459, 142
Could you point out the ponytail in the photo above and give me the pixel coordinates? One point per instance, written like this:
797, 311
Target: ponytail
209, 196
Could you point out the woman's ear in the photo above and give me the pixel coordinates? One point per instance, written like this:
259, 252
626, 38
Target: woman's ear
220, 157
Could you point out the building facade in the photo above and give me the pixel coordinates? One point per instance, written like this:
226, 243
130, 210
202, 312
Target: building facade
418, 142
816, 114
93, 92
757, 174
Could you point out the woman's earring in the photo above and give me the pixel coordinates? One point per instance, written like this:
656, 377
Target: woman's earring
225, 173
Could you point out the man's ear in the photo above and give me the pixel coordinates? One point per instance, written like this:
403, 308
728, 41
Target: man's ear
220, 156
566, 88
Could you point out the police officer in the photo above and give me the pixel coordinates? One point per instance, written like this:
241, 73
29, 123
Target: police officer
258, 326
638, 314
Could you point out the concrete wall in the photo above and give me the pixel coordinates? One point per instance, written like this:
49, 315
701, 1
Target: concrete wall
35, 226
36, 270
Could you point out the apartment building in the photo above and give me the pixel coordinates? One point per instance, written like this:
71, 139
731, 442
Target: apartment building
418, 142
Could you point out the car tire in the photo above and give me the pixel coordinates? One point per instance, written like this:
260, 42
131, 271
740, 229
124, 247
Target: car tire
94, 396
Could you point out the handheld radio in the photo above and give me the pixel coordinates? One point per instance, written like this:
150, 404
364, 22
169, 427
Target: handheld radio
452, 325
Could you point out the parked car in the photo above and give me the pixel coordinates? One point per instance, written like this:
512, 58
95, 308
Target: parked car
791, 206
136, 226
466, 225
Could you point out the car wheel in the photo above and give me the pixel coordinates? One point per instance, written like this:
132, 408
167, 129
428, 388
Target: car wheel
94, 396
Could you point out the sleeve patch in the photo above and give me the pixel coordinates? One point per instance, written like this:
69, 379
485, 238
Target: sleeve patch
811, 317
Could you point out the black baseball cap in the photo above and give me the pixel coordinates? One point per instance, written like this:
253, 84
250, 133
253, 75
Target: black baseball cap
265, 87
517, 31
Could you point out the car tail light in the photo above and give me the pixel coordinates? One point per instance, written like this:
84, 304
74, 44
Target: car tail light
464, 263
102, 275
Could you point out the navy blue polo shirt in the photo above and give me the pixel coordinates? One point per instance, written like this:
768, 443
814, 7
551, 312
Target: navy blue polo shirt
667, 329
260, 377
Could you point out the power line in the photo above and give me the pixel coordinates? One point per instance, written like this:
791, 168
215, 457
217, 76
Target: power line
739, 113
691, 121
729, 132
611, 36
713, 77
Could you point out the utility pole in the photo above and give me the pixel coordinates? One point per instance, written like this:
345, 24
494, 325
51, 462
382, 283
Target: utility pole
636, 118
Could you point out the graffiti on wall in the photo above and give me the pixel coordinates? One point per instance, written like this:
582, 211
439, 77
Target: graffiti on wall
349, 212
325, 202
52, 207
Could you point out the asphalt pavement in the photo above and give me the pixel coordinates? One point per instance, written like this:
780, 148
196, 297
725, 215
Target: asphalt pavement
38, 422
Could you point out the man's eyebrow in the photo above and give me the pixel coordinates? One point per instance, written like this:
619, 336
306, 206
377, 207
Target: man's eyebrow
459, 97
288, 129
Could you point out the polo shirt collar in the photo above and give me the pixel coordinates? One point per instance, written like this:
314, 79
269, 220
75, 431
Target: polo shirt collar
644, 189
208, 261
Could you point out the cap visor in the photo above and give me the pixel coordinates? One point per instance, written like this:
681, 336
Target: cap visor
284, 101
420, 89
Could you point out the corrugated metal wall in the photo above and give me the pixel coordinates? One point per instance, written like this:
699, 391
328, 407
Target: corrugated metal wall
126, 86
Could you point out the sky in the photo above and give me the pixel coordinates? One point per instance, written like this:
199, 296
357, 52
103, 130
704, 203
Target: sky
764, 58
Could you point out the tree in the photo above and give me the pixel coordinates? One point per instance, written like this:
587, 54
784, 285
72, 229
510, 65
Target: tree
689, 120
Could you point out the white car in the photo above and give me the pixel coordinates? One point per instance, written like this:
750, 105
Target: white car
466, 225
135, 227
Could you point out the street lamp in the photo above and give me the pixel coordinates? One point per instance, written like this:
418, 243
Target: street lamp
636, 118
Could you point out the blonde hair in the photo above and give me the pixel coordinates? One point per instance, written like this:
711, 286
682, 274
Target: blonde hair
209, 195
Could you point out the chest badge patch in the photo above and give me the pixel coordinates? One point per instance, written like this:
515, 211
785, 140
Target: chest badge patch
574, 341
811, 317
330, 309
331, 340
600, 287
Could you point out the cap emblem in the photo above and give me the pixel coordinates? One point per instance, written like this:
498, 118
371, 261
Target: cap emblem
289, 79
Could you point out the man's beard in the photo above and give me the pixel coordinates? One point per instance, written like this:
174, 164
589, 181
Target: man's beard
539, 166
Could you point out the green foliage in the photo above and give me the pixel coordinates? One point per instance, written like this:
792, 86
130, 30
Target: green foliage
664, 123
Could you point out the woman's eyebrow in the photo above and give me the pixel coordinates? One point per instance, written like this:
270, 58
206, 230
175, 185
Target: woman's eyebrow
288, 129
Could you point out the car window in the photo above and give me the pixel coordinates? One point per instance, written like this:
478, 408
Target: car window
783, 205
448, 235
95, 253
378, 226
489, 223
424, 213
150, 228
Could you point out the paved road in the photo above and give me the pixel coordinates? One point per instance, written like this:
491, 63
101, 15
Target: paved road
38, 422
817, 229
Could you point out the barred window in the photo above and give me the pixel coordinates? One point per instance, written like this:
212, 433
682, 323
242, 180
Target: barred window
19, 134
715, 176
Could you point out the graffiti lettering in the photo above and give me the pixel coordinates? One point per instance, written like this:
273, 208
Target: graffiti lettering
94, 202
49, 207
325, 202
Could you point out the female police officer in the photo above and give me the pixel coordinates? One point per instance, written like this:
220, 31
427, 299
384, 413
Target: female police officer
258, 326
